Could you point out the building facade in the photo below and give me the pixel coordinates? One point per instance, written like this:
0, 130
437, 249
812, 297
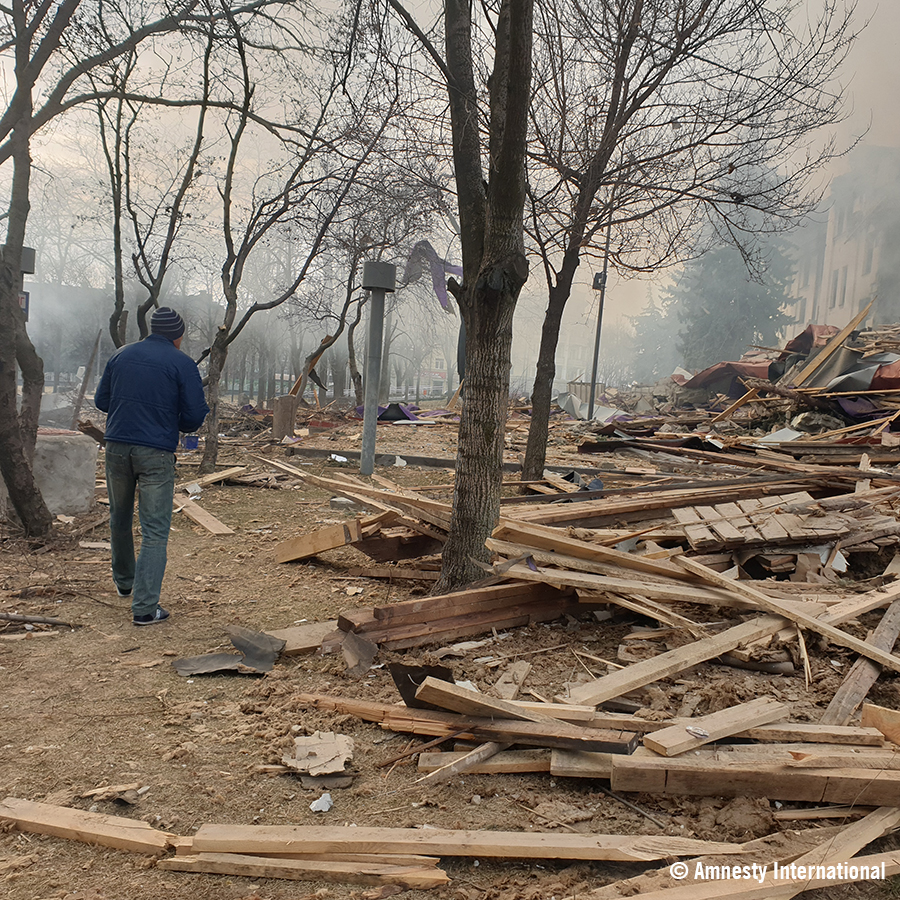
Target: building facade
849, 253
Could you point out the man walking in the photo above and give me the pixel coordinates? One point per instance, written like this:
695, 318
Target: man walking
150, 391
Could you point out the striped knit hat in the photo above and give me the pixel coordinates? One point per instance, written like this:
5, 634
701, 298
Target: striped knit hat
167, 323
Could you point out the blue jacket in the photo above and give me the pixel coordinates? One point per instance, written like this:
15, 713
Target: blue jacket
151, 391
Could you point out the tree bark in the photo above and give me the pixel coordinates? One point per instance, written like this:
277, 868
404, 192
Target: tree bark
218, 354
479, 461
542, 392
494, 266
18, 429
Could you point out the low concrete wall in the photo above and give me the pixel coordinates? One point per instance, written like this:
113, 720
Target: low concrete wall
65, 469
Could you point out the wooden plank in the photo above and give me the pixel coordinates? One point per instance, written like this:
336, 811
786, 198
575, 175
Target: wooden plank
401, 636
87, 827
672, 662
835, 635
887, 721
782, 880
382, 859
780, 846
510, 682
306, 545
724, 723
303, 639
641, 506
305, 869
863, 673
508, 761
754, 778
686, 515
508, 731
588, 764
197, 514
471, 703
212, 478
587, 581
750, 395
803, 731
250, 839
772, 530
423, 609
545, 538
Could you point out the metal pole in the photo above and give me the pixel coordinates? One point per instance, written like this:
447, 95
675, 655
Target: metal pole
373, 377
378, 278
599, 322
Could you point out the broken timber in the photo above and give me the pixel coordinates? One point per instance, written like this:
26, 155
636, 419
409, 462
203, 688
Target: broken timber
252, 866
833, 634
508, 731
444, 842
79, 825
672, 662
724, 723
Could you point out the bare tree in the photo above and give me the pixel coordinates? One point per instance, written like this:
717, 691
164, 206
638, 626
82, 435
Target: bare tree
490, 207
651, 117
318, 164
54, 46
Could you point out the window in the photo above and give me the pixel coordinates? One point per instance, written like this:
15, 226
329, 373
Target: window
868, 254
843, 285
438, 363
832, 299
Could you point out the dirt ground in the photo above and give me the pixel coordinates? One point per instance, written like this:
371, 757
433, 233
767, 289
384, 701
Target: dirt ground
101, 705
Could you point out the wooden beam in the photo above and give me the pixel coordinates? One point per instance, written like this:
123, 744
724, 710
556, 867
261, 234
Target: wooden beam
472, 703
505, 762
504, 731
750, 395
306, 869
887, 721
863, 673
212, 478
251, 839
197, 514
546, 538
705, 729
90, 828
754, 778
835, 635
672, 662
306, 545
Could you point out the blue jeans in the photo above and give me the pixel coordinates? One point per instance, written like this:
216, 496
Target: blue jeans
130, 467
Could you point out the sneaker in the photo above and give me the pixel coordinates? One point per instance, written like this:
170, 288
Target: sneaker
152, 618
122, 592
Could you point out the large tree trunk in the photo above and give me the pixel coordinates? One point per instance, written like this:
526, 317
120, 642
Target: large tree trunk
482, 430
494, 266
18, 430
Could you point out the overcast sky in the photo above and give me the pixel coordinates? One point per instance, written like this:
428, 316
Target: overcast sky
873, 72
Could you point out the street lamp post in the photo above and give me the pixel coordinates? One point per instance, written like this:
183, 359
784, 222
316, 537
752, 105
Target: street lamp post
599, 285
